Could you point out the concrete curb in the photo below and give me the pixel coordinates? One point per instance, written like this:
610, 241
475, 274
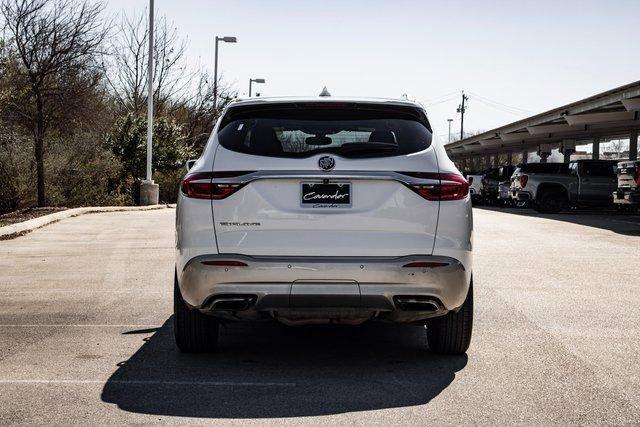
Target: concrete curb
21, 228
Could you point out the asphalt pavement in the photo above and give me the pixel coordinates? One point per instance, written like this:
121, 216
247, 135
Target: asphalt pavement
86, 336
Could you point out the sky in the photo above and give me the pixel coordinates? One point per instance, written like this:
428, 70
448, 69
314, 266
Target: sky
512, 58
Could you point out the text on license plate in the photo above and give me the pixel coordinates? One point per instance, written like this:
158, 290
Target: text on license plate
321, 195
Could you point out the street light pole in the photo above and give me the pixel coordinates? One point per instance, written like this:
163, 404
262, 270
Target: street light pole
150, 94
255, 81
215, 76
149, 191
450, 120
225, 39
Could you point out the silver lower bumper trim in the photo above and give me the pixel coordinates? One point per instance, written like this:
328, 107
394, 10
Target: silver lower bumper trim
324, 287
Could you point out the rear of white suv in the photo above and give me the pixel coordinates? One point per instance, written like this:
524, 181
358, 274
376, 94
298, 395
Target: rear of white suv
324, 211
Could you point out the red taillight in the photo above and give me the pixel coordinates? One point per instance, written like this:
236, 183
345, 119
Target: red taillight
197, 185
523, 180
451, 186
225, 263
200, 185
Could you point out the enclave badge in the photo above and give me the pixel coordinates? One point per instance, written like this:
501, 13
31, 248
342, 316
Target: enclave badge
326, 163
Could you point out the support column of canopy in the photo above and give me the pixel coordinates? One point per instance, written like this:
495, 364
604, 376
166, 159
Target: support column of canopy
567, 148
596, 148
633, 145
544, 151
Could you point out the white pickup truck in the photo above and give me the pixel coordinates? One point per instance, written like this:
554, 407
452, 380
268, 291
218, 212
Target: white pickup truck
475, 185
551, 187
628, 192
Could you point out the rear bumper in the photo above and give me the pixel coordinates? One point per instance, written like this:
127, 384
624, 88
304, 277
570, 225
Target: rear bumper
504, 195
490, 193
521, 195
325, 287
626, 197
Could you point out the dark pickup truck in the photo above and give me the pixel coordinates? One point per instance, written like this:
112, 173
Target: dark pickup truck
556, 186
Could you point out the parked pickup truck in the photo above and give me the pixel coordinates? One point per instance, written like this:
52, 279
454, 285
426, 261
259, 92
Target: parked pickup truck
628, 192
551, 187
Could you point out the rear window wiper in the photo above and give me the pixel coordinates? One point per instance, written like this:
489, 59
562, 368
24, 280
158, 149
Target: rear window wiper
357, 147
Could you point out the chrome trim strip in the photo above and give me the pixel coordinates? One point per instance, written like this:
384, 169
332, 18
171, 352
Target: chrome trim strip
333, 174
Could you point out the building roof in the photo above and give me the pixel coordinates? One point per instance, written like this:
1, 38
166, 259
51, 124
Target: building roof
613, 113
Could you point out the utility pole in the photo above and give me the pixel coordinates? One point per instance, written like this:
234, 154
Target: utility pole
449, 120
461, 110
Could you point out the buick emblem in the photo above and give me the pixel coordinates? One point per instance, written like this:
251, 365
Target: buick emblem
326, 163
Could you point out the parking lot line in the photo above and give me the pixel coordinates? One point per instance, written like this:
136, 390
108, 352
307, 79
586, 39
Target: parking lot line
62, 325
77, 291
627, 222
152, 382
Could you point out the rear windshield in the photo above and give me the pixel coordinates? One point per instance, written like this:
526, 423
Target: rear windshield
492, 173
349, 130
506, 171
503, 172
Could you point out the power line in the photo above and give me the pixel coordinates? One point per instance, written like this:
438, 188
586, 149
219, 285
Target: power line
499, 105
437, 98
440, 102
503, 109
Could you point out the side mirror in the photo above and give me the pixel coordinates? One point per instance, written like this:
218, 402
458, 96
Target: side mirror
190, 164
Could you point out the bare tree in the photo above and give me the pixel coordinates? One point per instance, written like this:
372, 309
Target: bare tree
54, 42
127, 61
618, 146
196, 110
184, 92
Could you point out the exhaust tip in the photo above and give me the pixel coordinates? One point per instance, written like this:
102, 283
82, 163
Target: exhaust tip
417, 303
232, 302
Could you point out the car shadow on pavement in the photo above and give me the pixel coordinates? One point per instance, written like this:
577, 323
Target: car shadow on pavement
268, 370
619, 222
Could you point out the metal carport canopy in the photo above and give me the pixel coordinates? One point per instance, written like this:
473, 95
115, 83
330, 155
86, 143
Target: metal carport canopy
611, 114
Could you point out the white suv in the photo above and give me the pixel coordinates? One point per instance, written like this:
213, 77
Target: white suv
324, 210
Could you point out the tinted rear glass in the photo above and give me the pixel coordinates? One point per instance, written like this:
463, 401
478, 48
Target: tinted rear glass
492, 173
599, 168
302, 130
506, 172
544, 168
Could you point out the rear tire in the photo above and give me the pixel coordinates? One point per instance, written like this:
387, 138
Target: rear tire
194, 332
551, 202
451, 333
